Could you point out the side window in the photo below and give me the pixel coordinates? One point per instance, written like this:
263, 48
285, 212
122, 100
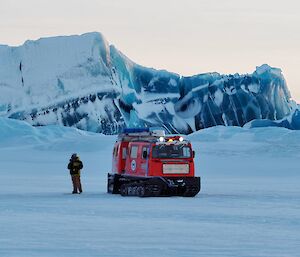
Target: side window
124, 153
134, 151
145, 149
116, 150
186, 152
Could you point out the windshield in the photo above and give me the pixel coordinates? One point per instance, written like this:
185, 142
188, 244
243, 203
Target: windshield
171, 151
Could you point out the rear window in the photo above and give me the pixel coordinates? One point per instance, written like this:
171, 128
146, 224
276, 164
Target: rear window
134, 151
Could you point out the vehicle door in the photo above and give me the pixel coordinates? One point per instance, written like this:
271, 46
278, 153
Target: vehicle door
144, 160
133, 161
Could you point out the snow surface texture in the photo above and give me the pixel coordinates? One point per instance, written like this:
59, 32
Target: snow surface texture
249, 204
84, 82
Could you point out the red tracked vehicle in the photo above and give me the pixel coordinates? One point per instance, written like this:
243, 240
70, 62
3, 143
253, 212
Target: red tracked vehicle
148, 163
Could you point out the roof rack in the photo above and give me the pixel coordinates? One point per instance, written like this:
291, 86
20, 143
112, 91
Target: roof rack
142, 134
135, 130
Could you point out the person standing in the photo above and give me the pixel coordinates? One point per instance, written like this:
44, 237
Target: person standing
75, 165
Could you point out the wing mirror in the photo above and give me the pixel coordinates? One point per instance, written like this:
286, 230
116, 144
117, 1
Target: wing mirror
193, 154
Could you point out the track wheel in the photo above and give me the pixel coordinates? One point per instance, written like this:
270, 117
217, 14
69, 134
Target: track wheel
141, 191
124, 190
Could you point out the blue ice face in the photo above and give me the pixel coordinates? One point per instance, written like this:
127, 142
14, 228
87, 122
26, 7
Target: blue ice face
148, 97
206, 100
290, 122
116, 92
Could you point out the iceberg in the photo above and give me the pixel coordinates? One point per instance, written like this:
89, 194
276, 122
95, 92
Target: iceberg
84, 82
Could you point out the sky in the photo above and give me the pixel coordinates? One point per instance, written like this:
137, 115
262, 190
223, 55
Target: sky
187, 37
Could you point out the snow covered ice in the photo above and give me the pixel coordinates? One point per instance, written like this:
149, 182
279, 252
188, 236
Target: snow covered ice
84, 82
249, 204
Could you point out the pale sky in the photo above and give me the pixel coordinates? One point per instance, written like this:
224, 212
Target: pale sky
187, 37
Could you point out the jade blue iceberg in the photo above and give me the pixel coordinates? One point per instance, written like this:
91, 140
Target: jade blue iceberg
82, 81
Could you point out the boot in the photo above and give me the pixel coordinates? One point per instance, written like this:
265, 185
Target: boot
79, 185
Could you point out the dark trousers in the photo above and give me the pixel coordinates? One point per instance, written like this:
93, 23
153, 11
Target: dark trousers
76, 184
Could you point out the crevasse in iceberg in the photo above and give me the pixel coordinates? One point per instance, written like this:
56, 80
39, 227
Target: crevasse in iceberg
84, 82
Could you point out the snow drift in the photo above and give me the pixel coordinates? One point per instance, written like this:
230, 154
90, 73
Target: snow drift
84, 82
250, 192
